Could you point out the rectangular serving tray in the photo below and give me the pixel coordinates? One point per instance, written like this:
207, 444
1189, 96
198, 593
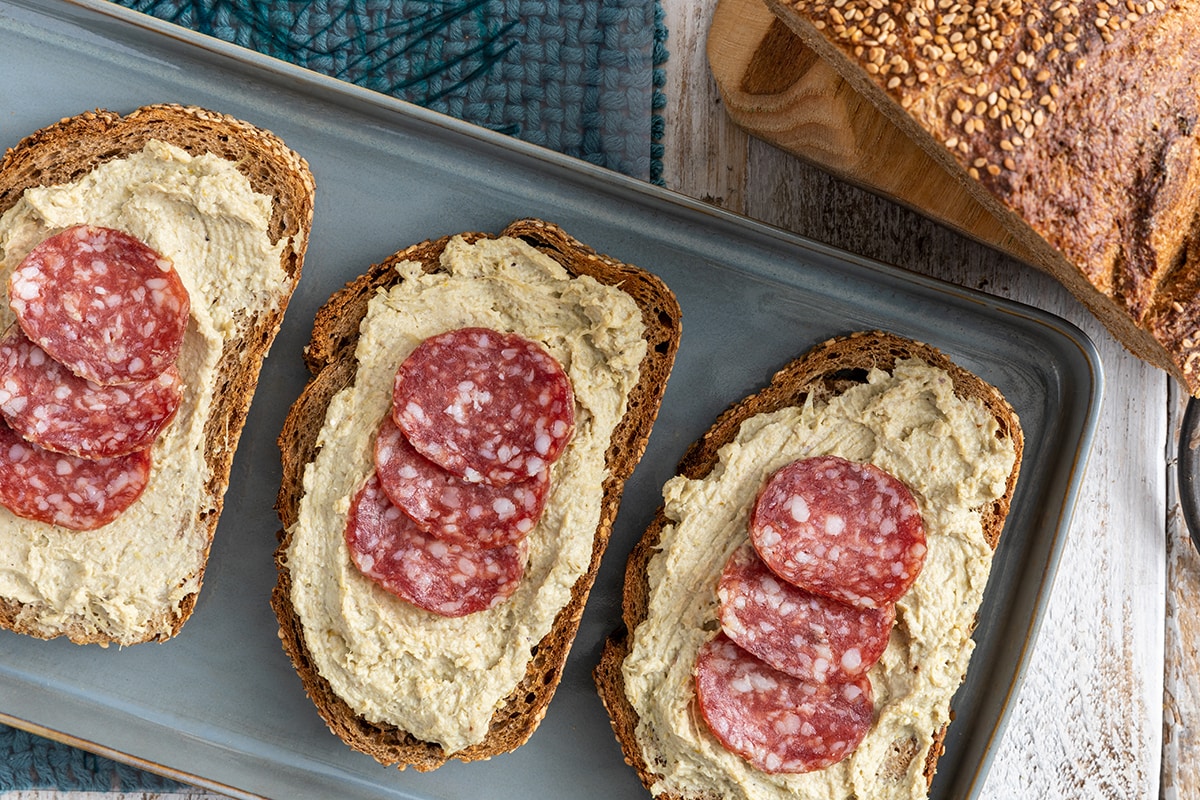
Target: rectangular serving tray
220, 705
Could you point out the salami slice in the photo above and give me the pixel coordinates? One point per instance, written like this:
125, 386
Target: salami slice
803, 634
449, 507
443, 577
102, 303
842, 529
60, 489
50, 406
489, 406
780, 724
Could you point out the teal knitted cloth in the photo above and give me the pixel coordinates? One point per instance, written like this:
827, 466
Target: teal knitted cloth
583, 77
578, 76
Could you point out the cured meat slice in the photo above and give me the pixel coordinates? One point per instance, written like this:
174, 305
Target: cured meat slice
780, 724
489, 406
449, 507
839, 528
446, 578
803, 634
65, 490
50, 406
102, 303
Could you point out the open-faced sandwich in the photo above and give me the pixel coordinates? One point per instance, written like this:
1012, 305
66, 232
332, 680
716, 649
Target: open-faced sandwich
799, 614
450, 478
147, 261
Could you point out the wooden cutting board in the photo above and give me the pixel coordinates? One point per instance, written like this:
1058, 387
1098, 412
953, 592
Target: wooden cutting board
780, 91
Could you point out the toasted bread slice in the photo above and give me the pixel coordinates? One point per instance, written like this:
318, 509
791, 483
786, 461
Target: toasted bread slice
69, 151
821, 374
331, 358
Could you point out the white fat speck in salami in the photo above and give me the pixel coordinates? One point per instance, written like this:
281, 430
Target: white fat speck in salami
48, 405
779, 723
102, 303
839, 528
449, 507
489, 406
803, 634
65, 490
446, 578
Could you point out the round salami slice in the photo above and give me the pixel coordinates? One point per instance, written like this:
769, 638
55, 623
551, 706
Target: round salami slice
446, 578
52, 407
489, 406
65, 490
102, 303
449, 507
841, 529
780, 724
803, 634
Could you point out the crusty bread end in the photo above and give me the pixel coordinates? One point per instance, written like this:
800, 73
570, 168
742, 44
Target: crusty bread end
1073, 125
74, 146
330, 357
826, 370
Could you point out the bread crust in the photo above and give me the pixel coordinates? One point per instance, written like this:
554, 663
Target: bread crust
73, 147
330, 357
824, 371
1074, 124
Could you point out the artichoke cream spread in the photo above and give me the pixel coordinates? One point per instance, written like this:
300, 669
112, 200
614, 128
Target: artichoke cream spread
946, 449
128, 578
442, 678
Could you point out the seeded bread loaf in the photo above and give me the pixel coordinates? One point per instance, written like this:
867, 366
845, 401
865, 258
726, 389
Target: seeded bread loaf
80, 591
338, 372
673, 753
1073, 122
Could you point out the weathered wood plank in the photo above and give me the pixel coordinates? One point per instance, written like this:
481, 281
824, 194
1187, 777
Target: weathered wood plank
1181, 699
705, 152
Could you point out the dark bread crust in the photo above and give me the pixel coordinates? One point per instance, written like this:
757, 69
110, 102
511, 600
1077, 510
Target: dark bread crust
330, 357
1084, 141
827, 370
74, 146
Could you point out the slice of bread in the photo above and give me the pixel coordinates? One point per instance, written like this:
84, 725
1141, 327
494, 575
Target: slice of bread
71, 150
331, 358
817, 377
1073, 125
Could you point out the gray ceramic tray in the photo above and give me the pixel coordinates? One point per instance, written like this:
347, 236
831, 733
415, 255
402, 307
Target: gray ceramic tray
220, 705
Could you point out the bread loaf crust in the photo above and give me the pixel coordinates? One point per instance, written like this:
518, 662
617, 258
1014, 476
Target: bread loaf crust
73, 147
330, 357
824, 371
1074, 123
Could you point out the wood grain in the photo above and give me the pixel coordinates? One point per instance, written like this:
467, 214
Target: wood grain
703, 151
1181, 699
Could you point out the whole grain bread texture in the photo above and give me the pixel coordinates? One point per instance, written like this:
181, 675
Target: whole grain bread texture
1074, 123
330, 358
826, 370
71, 148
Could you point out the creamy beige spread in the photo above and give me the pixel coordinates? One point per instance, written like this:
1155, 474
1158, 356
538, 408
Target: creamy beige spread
909, 423
442, 678
124, 578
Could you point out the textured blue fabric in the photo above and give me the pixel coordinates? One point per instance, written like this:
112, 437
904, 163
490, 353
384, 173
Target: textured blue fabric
31, 762
583, 77
576, 76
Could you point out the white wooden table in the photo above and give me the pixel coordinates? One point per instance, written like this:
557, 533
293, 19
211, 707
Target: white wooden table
1111, 705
